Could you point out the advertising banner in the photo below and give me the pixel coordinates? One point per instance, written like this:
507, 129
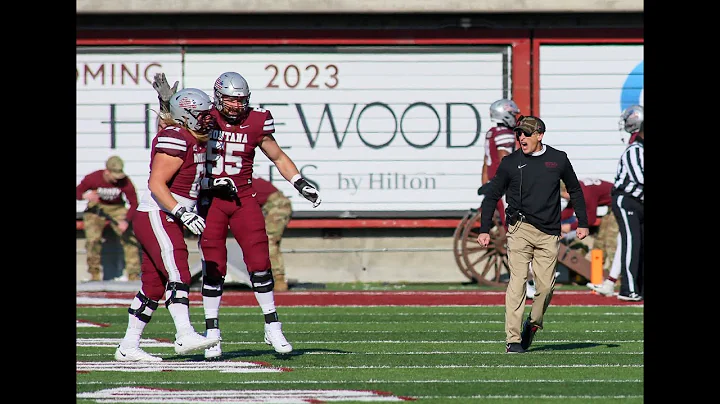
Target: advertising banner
380, 130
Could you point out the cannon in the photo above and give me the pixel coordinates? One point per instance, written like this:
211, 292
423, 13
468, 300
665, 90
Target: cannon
489, 265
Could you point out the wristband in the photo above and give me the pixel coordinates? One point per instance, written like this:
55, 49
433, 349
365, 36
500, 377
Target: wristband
295, 177
178, 210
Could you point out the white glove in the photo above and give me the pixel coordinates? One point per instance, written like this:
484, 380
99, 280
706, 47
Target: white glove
192, 221
308, 191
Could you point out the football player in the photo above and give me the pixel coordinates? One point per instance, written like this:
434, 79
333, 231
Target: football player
177, 157
230, 157
630, 120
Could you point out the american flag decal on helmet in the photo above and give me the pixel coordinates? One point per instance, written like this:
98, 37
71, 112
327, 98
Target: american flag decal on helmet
187, 103
218, 83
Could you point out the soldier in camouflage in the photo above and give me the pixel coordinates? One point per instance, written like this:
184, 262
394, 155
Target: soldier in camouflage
596, 193
277, 209
104, 190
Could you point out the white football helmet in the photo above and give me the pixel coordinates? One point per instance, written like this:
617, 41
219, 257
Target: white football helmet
191, 107
631, 118
504, 111
232, 95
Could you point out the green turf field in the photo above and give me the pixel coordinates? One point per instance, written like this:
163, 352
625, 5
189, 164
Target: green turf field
449, 354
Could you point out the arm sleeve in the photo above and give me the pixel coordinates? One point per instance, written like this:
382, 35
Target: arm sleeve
81, 188
505, 141
576, 193
497, 187
171, 142
269, 124
131, 196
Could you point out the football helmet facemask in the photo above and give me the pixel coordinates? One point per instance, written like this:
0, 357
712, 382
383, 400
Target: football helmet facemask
504, 111
191, 107
631, 119
232, 96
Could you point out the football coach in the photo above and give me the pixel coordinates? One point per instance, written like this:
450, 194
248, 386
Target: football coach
530, 179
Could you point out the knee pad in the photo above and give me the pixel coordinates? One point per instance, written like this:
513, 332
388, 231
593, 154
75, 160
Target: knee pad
142, 312
177, 292
212, 287
262, 282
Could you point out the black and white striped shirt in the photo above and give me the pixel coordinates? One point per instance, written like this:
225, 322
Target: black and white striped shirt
630, 174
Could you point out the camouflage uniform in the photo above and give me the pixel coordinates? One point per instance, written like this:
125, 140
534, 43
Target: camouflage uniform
94, 225
277, 210
606, 238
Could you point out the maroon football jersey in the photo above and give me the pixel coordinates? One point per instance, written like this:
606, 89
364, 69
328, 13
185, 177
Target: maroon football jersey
263, 189
110, 194
231, 149
497, 138
596, 193
179, 142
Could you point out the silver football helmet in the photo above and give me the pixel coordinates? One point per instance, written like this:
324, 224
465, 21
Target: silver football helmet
631, 119
232, 95
191, 107
504, 111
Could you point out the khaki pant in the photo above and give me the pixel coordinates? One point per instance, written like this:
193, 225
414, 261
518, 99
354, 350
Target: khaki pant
277, 210
606, 239
94, 225
527, 244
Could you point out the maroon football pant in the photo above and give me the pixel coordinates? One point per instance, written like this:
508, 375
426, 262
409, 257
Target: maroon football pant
164, 252
247, 223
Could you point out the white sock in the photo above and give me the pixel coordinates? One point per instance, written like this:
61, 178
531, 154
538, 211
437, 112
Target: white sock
266, 301
135, 326
211, 305
180, 313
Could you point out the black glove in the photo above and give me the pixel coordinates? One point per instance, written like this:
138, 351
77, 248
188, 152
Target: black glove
192, 221
308, 191
164, 91
222, 185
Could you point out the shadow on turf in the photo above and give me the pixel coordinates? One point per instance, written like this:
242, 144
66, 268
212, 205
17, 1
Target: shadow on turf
570, 346
250, 353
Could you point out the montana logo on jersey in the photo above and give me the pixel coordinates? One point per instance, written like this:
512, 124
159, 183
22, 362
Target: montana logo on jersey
223, 136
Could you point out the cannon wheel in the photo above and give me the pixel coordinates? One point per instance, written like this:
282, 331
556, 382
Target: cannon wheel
486, 264
458, 245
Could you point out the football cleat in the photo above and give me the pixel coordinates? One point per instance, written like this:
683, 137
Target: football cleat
607, 288
530, 290
274, 336
632, 297
134, 355
192, 342
214, 352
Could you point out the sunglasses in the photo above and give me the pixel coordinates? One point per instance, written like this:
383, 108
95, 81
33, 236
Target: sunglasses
520, 132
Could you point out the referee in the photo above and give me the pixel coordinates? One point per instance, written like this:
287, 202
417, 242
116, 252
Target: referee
530, 179
628, 197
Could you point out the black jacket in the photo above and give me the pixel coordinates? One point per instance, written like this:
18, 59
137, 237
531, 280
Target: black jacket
531, 185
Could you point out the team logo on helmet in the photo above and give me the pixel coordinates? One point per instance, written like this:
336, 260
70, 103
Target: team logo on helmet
187, 103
